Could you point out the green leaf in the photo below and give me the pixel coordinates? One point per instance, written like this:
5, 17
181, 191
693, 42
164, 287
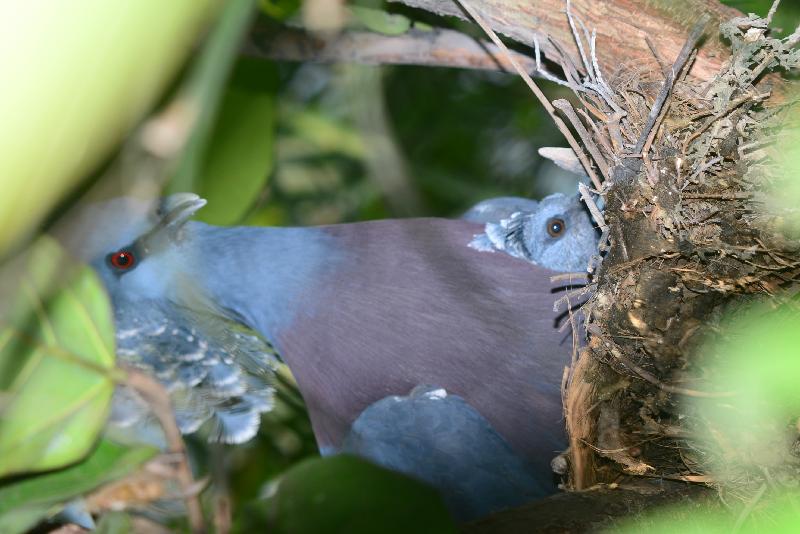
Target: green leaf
22, 519
756, 362
346, 494
240, 153
380, 21
25, 502
204, 86
56, 363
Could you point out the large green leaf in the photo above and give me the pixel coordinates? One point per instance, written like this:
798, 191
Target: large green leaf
56, 363
77, 76
27, 501
349, 495
240, 154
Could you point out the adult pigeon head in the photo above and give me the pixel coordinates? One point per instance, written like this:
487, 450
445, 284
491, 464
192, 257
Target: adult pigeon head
217, 371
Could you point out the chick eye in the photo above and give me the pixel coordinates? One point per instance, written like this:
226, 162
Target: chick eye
556, 227
122, 260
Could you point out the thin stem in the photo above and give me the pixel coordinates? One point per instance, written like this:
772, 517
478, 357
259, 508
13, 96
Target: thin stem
158, 400
666, 88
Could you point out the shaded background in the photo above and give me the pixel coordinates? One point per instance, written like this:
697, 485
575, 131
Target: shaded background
309, 144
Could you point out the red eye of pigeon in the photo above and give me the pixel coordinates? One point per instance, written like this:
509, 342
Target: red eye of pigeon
123, 260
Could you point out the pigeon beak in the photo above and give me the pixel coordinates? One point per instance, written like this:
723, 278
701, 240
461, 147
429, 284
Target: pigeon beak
176, 209
172, 214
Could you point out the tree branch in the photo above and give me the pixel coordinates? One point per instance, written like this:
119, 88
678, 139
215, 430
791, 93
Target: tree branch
436, 48
622, 26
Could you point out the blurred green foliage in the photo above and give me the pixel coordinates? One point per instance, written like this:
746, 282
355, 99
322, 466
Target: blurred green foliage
279, 9
347, 495
24, 502
758, 363
201, 93
457, 145
779, 515
240, 151
379, 21
115, 523
288, 144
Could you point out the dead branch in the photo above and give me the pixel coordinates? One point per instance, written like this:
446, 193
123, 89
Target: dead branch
566, 108
666, 88
621, 36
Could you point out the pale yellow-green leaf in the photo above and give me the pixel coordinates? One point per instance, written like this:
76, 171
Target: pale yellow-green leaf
76, 76
57, 359
323, 133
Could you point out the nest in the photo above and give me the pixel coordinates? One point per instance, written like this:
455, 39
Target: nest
684, 172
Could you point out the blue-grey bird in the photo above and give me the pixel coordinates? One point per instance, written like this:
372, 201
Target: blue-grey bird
359, 312
442, 440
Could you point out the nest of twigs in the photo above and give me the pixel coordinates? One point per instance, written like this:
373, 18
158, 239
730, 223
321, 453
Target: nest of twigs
685, 172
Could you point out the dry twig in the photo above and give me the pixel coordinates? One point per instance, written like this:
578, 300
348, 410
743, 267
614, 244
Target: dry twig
666, 88
158, 400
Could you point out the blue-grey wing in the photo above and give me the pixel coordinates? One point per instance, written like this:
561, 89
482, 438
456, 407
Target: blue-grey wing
442, 440
216, 371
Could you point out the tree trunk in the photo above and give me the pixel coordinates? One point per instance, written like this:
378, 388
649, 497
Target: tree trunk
641, 35
623, 28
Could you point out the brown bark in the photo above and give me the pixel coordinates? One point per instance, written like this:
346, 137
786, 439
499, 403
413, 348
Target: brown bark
623, 27
641, 34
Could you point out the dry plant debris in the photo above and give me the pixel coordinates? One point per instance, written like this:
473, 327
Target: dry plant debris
684, 171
